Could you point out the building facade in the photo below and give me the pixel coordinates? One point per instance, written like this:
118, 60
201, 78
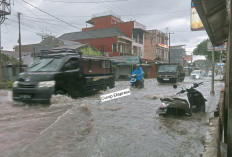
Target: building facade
155, 46
112, 36
177, 54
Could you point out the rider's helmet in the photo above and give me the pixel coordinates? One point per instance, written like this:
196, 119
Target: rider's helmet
137, 66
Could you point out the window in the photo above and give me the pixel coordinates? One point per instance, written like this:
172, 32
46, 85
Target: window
14, 71
114, 47
72, 64
102, 49
105, 64
89, 65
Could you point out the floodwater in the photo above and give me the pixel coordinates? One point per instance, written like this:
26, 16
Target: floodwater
87, 127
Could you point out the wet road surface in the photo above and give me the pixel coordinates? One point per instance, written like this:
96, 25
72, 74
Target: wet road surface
87, 127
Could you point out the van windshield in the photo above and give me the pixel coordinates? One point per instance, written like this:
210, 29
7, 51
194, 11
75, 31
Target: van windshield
167, 68
46, 64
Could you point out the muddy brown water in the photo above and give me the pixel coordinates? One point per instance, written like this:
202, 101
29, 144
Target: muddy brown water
87, 127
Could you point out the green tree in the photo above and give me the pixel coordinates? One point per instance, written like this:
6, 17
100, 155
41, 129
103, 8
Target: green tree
202, 50
6, 59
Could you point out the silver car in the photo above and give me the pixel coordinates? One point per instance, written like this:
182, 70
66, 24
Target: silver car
196, 74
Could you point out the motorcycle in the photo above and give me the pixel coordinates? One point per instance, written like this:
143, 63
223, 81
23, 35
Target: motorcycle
195, 98
179, 106
136, 83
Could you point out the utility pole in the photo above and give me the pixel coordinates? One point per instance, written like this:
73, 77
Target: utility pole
20, 56
4, 10
228, 102
0, 53
220, 65
169, 48
212, 82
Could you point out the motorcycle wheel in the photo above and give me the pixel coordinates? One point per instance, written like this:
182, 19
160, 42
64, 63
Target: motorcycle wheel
141, 86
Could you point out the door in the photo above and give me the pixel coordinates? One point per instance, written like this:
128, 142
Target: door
71, 77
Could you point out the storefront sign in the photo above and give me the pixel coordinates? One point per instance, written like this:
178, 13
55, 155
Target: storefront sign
196, 23
132, 60
162, 45
221, 47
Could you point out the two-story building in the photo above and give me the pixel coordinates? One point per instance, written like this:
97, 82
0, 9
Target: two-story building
111, 35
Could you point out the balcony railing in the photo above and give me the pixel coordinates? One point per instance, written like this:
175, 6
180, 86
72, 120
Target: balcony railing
140, 41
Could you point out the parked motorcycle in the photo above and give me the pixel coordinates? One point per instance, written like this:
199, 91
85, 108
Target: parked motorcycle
195, 98
179, 106
136, 83
174, 106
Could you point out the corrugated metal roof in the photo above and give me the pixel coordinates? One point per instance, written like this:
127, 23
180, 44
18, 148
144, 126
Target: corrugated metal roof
26, 56
99, 33
214, 16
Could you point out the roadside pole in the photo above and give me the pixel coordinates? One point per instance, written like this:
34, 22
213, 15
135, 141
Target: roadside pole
20, 56
220, 65
212, 92
228, 104
169, 48
131, 68
5, 9
0, 54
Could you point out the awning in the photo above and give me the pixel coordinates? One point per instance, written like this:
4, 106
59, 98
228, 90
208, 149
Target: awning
214, 16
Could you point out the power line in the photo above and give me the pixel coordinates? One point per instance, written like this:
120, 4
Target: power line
73, 16
51, 15
11, 24
60, 19
27, 25
55, 22
37, 16
85, 1
93, 35
136, 14
21, 24
112, 7
122, 10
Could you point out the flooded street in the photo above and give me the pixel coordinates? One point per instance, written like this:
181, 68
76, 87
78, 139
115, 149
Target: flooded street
123, 127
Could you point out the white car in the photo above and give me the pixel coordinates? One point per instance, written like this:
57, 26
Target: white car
210, 73
196, 74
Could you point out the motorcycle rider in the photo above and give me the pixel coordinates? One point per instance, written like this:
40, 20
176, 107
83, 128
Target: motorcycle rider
138, 71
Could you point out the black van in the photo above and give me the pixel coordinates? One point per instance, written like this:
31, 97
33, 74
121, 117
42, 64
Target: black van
64, 72
170, 72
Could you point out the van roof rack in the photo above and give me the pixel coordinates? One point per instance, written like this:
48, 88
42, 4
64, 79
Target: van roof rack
64, 52
59, 51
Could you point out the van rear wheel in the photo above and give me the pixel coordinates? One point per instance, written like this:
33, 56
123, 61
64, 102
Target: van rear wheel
60, 92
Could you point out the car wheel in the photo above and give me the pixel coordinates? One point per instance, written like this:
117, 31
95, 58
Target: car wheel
60, 92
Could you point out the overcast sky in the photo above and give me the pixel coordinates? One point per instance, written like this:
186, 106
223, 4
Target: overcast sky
154, 14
